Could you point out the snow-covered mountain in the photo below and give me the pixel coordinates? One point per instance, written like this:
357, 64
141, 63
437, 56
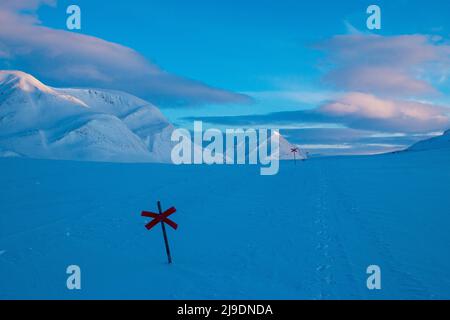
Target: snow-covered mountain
285, 149
38, 121
439, 142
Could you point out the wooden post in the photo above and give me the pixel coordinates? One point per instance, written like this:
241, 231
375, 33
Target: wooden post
166, 241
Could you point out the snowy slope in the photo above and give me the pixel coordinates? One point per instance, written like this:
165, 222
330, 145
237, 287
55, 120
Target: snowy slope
440, 142
78, 124
284, 151
309, 232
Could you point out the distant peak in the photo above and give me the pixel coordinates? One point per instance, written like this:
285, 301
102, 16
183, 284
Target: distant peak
23, 81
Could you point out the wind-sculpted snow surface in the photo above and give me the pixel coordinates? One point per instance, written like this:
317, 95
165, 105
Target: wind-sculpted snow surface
37, 121
309, 232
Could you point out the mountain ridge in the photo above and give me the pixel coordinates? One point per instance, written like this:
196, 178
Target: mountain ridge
39, 121
86, 124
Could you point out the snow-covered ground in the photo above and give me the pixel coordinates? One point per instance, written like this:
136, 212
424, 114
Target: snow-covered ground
307, 233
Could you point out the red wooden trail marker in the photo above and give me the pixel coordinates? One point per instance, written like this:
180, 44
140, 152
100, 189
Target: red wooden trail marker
163, 218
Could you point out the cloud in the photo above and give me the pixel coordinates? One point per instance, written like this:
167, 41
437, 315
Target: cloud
24, 4
382, 80
398, 65
63, 58
365, 111
356, 111
292, 96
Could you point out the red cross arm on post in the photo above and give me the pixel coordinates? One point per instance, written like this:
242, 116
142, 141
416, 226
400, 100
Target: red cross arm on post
162, 217
157, 218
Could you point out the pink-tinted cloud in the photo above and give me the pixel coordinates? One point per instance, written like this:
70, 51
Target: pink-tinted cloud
365, 111
63, 58
355, 110
24, 4
379, 79
396, 65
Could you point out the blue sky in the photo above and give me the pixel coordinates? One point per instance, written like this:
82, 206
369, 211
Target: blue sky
279, 54
238, 44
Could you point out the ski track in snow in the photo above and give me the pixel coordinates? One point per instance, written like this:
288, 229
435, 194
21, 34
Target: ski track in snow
407, 281
333, 265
